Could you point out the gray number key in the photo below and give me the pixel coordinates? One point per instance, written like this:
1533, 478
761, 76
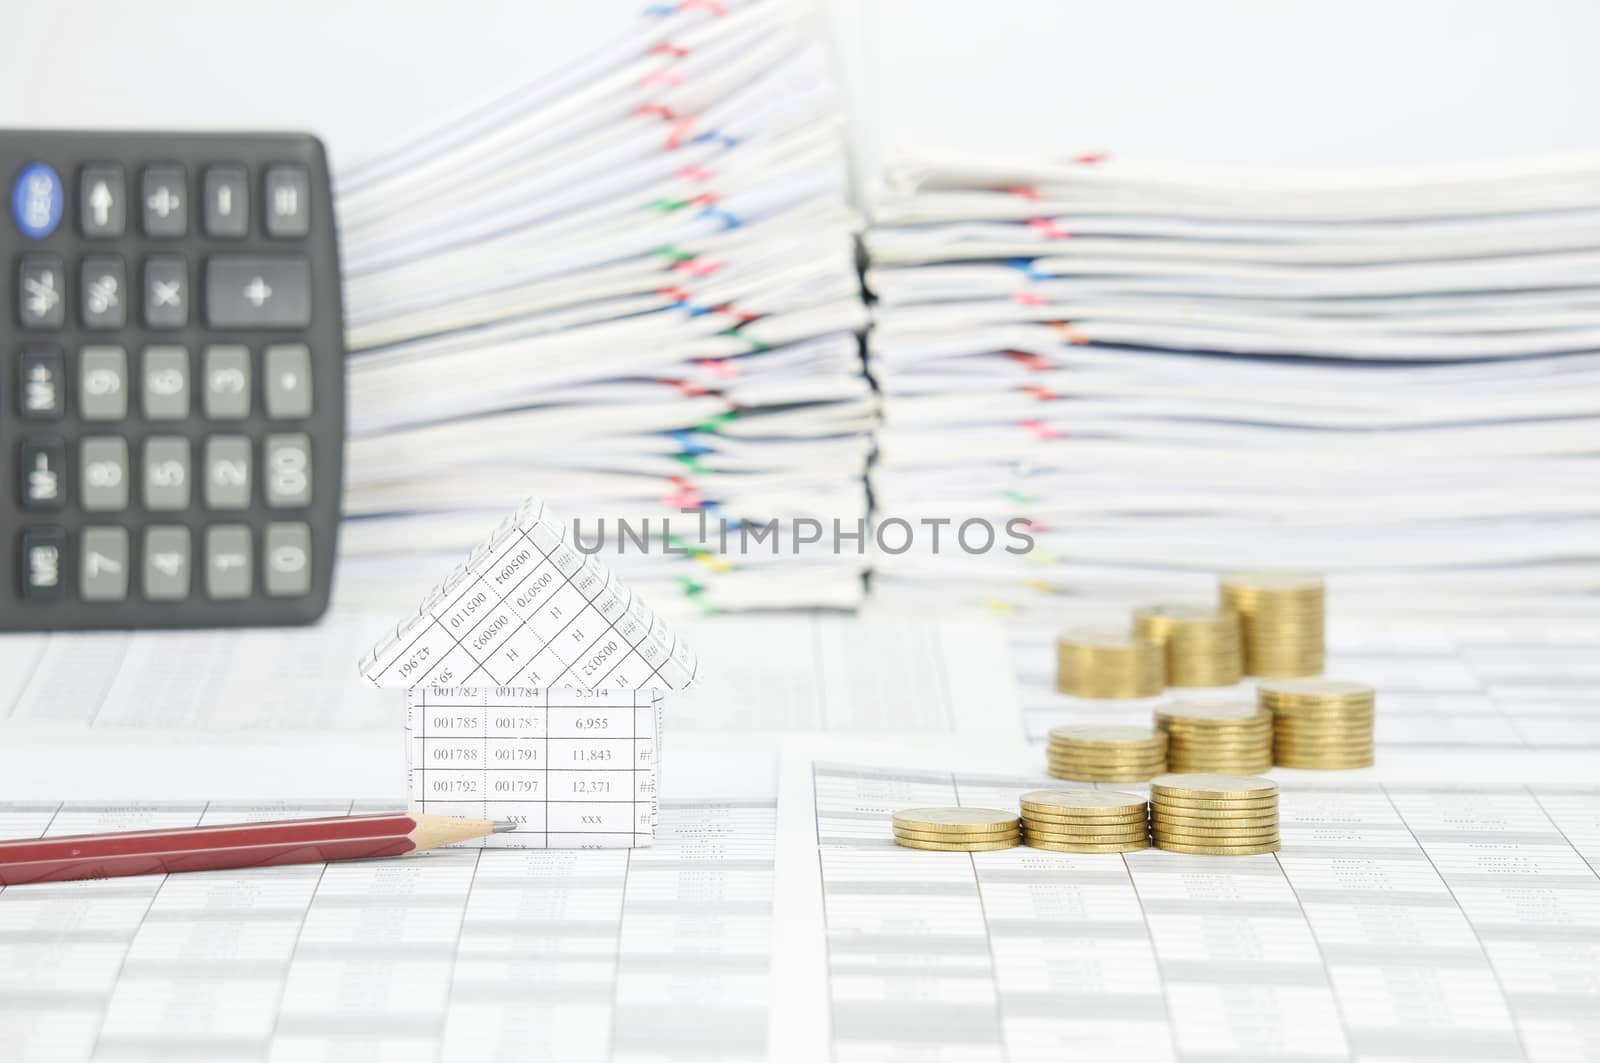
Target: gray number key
288, 380
102, 201
166, 292
41, 292
258, 291
166, 563
227, 472
103, 384
166, 473
227, 382
288, 555
288, 464
288, 189
228, 561
103, 292
103, 480
165, 201
103, 565
166, 383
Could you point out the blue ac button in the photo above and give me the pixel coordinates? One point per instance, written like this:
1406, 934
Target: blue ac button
37, 200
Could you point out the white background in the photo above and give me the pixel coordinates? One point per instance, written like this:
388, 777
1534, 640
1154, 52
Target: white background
1357, 82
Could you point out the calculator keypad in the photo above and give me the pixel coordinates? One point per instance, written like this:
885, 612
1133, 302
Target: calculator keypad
175, 410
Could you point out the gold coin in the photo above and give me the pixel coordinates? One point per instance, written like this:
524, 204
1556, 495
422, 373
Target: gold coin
1245, 822
1318, 688
954, 820
1131, 846
1095, 802
1220, 850
1206, 711
1313, 764
1089, 764
1160, 808
1252, 837
1044, 817
1090, 839
959, 847
938, 836
1213, 787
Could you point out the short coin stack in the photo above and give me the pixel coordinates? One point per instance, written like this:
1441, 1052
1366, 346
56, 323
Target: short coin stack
1282, 614
1214, 815
1231, 738
1085, 821
1107, 663
957, 830
1202, 643
1111, 752
1320, 723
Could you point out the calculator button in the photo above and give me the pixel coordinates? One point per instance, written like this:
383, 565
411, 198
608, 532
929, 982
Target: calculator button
227, 472
258, 292
166, 562
40, 385
288, 462
103, 479
166, 473
103, 565
102, 201
288, 568
41, 292
227, 201
41, 463
228, 561
166, 383
166, 292
103, 291
288, 200
37, 200
165, 201
43, 551
227, 382
103, 384
288, 381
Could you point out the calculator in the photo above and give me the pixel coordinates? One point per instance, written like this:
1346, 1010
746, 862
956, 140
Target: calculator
172, 399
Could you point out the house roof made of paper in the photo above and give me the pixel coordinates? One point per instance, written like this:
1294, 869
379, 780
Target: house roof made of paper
528, 609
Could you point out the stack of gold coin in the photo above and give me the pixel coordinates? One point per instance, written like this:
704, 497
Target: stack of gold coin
1202, 643
1214, 815
1228, 738
1085, 821
1107, 663
1110, 752
1283, 615
956, 830
1320, 723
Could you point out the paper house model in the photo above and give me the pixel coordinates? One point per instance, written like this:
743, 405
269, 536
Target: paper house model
534, 687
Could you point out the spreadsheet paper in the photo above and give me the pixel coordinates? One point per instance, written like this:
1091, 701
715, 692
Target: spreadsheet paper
1399, 921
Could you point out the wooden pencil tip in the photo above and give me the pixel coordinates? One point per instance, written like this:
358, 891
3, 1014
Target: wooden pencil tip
504, 826
431, 832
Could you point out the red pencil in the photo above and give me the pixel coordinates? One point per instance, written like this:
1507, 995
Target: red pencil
284, 841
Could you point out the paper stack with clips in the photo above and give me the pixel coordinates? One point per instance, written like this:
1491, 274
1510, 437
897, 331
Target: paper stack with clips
631, 288
1392, 377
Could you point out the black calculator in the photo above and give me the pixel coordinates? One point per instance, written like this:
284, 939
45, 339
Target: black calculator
172, 400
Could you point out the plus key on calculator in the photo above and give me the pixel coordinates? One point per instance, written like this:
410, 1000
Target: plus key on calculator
172, 399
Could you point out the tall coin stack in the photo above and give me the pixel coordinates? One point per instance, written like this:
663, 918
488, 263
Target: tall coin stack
1320, 723
1111, 752
1107, 663
1085, 821
956, 830
1202, 643
1233, 738
1214, 815
1283, 615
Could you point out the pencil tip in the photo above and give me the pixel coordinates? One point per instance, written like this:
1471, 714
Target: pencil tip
504, 826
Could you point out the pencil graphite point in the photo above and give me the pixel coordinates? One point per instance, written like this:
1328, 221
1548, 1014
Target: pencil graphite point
504, 826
